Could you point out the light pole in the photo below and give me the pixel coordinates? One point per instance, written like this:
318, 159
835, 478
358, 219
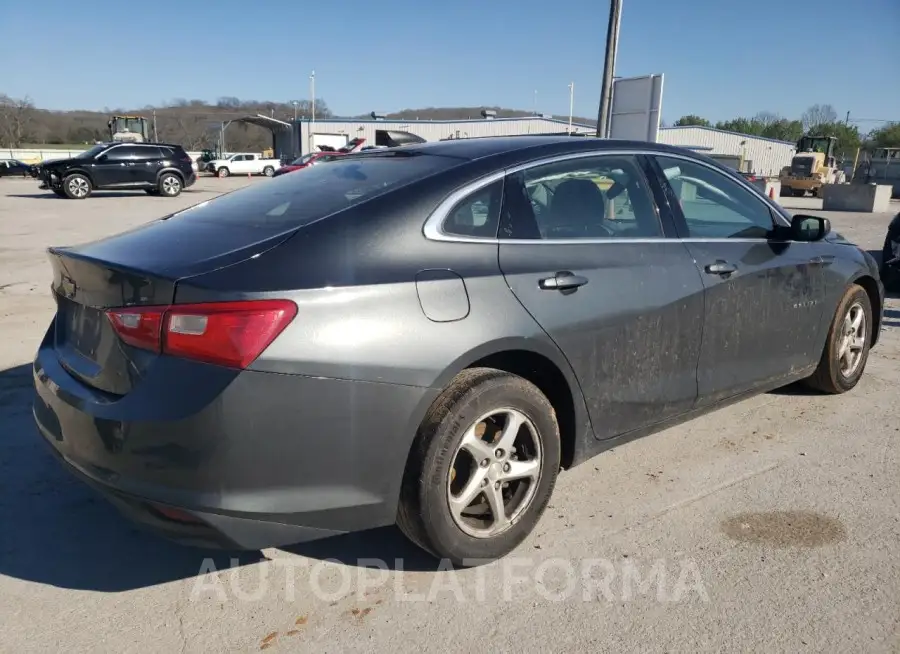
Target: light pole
295, 103
571, 103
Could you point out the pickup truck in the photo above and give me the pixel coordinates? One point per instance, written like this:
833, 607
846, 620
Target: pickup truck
243, 163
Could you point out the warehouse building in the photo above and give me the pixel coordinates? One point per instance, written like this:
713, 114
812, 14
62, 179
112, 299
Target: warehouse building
335, 132
759, 155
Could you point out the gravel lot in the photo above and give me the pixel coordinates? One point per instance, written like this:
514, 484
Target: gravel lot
772, 525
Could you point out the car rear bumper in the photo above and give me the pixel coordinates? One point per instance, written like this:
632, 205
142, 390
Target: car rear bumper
248, 460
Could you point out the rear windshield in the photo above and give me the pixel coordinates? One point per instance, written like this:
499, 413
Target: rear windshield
303, 197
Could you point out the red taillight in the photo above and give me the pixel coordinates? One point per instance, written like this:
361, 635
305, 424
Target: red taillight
229, 334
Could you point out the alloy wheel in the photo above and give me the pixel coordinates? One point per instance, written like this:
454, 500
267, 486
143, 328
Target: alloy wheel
495, 473
79, 187
853, 340
171, 185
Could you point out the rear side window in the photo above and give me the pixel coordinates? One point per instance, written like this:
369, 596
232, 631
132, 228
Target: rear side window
477, 215
292, 201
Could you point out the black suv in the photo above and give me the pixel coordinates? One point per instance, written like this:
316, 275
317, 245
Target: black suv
157, 168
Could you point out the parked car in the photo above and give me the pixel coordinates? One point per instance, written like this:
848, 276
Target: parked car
15, 168
426, 335
244, 163
307, 160
890, 256
324, 154
157, 168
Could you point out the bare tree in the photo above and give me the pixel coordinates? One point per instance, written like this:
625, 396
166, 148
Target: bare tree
818, 114
766, 118
15, 117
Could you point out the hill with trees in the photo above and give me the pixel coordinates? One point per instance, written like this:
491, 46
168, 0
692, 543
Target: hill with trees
196, 124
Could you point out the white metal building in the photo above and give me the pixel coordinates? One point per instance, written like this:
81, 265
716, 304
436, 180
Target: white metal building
765, 156
337, 132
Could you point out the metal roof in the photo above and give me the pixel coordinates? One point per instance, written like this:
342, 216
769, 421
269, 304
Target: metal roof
265, 121
725, 131
405, 121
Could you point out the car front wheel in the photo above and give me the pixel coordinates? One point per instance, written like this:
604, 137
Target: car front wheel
77, 187
482, 468
222, 172
847, 348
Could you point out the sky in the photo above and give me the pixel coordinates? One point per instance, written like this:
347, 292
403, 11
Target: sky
721, 58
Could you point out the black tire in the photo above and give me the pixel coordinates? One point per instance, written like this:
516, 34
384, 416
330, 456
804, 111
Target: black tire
58, 192
170, 185
799, 193
77, 187
424, 512
829, 376
268, 171
223, 172
890, 277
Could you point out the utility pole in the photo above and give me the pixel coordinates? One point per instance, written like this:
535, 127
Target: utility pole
534, 107
847, 121
155, 133
295, 103
609, 67
571, 103
312, 121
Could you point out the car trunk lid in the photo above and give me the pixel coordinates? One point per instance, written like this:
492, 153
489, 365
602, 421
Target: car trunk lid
140, 268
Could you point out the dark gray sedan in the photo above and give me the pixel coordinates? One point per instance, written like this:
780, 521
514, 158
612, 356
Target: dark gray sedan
426, 335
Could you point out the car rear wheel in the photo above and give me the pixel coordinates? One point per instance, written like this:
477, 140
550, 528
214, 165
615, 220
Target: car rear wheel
223, 172
482, 468
76, 187
847, 348
268, 171
170, 185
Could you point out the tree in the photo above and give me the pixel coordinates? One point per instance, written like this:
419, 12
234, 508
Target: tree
818, 114
784, 130
742, 126
691, 120
886, 137
16, 115
848, 137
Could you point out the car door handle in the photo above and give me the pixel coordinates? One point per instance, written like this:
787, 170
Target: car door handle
721, 268
562, 281
822, 260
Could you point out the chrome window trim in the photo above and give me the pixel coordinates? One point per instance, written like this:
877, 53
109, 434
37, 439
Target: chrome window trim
433, 228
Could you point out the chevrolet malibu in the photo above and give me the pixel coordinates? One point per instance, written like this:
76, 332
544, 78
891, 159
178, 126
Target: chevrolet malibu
426, 336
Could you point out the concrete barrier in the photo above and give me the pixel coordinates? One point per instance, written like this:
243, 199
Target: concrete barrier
864, 198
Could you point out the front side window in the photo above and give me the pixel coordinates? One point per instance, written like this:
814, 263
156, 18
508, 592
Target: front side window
592, 197
713, 205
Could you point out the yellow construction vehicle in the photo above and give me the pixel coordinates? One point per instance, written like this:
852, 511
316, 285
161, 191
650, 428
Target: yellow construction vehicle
129, 129
811, 167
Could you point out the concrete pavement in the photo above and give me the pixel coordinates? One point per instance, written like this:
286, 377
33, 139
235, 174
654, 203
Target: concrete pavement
772, 525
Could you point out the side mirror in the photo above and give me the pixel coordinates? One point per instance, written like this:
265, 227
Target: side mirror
809, 228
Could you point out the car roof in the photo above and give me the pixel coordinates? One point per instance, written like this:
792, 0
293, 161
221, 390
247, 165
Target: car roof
534, 146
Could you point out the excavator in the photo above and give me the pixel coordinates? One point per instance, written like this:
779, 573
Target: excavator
813, 166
